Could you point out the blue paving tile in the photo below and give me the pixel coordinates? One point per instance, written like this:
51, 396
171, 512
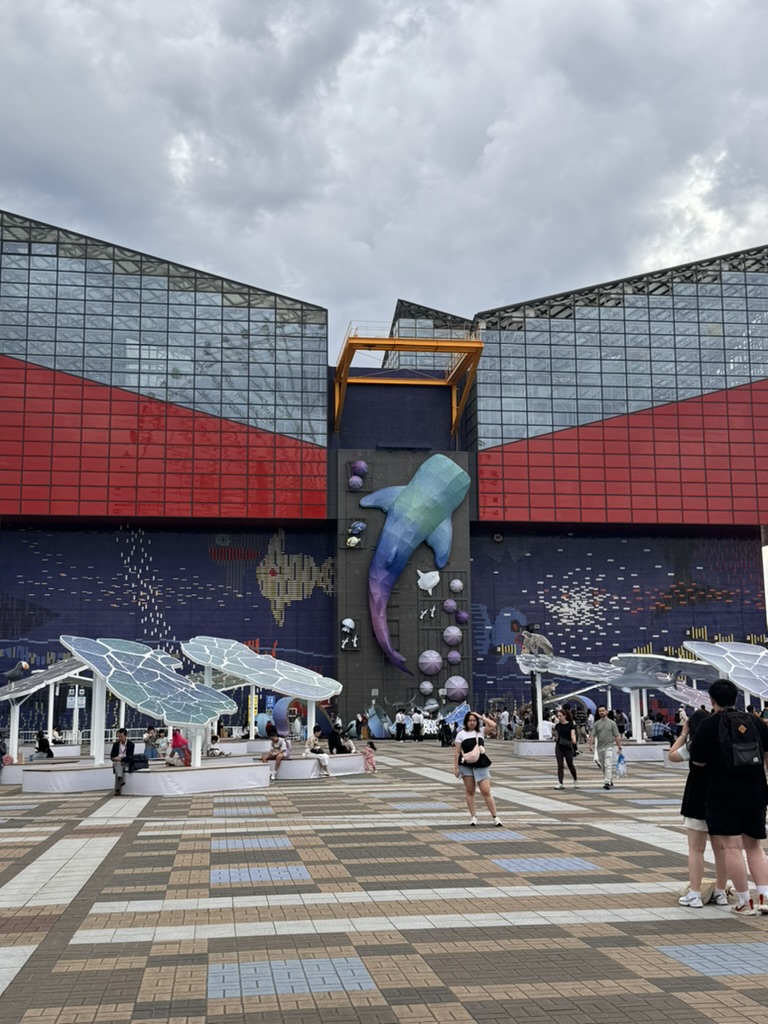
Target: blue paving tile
422, 806
541, 865
266, 843
285, 873
392, 794
288, 977
476, 835
241, 812
225, 801
721, 958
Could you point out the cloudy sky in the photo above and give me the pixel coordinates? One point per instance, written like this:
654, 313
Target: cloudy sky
459, 153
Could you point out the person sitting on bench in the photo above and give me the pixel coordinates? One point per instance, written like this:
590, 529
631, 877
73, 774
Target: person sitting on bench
122, 759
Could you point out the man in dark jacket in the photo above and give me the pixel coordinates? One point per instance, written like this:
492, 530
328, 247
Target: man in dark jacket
122, 759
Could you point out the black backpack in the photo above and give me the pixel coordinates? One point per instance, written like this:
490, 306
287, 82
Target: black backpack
740, 742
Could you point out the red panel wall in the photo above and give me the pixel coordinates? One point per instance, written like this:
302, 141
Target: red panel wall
704, 460
72, 447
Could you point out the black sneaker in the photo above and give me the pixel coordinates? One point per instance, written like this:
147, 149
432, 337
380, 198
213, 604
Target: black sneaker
607, 785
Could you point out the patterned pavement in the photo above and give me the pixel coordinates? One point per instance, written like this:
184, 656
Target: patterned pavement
368, 898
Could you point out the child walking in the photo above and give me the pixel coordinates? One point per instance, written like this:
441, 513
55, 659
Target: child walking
369, 761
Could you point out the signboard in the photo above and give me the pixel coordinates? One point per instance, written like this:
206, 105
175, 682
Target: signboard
270, 701
73, 695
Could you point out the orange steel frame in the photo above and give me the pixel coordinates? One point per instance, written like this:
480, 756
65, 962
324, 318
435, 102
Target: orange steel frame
459, 377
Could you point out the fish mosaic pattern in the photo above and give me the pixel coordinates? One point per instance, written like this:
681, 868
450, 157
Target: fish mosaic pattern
285, 578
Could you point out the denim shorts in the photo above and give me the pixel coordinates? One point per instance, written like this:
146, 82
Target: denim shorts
480, 774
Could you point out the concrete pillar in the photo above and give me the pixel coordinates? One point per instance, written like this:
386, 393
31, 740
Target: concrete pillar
98, 718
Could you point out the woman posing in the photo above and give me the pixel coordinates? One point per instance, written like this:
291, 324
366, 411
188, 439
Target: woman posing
693, 811
475, 774
565, 744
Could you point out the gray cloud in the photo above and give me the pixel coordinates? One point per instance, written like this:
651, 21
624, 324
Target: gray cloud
464, 154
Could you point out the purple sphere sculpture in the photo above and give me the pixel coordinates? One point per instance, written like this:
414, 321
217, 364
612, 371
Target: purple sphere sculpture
453, 657
430, 662
355, 483
359, 468
456, 688
452, 635
426, 689
456, 586
462, 618
449, 605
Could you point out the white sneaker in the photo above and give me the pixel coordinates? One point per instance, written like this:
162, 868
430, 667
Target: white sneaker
559, 786
720, 899
498, 822
745, 909
690, 900
473, 821
272, 776
575, 785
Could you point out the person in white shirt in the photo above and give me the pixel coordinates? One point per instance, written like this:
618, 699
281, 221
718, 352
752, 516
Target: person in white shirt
504, 723
417, 723
277, 753
474, 775
400, 726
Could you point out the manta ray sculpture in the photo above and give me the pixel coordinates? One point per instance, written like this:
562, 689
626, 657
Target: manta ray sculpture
418, 512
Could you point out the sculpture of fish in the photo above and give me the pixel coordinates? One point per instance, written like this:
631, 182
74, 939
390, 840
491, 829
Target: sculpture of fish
418, 512
428, 580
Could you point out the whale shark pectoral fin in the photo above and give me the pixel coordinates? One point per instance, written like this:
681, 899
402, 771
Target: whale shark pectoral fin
383, 499
392, 558
440, 540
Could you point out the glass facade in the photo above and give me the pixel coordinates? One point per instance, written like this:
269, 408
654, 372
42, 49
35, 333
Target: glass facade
118, 317
130, 386
620, 348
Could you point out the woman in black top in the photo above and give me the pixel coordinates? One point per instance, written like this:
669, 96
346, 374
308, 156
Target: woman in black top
42, 748
565, 744
693, 810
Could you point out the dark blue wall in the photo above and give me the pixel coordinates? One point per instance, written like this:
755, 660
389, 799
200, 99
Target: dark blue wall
156, 585
595, 596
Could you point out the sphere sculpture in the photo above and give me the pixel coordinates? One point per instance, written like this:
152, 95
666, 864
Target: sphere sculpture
456, 586
452, 635
430, 662
453, 657
359, 467
462, 618
456, 689
426, 688
355, 483
449, 605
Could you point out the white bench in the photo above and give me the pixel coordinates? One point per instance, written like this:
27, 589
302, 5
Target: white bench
346, 764
309, 767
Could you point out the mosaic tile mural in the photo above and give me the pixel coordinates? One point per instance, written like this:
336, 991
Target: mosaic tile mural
272, 589
597, 596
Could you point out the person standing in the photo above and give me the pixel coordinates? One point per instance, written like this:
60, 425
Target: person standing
474, 775
504, 723
565, 745
417, 724
693, 809
603, 738
737, 797
400, 725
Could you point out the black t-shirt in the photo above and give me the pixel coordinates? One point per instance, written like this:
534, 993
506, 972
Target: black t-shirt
563, 731
743, 789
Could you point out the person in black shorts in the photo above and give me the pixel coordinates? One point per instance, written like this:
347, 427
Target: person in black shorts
736, 802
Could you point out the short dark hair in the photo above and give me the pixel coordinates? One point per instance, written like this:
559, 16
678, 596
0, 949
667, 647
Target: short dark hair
122, 732
723, 692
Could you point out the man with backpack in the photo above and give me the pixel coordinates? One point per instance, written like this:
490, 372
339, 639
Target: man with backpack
733, 748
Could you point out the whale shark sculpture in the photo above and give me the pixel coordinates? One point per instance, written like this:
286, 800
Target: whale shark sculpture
418, 512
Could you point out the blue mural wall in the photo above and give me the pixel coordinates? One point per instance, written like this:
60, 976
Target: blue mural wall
272, 589
597, 596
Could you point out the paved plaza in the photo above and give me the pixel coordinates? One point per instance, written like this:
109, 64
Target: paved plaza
368, 898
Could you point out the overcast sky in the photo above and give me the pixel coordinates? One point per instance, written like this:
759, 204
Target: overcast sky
349, 152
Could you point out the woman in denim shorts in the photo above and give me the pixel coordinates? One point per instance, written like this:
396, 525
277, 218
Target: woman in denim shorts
473, 776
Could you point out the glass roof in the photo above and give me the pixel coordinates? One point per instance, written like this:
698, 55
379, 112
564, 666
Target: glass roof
147, 680
58, 673
235, 659
744, 664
